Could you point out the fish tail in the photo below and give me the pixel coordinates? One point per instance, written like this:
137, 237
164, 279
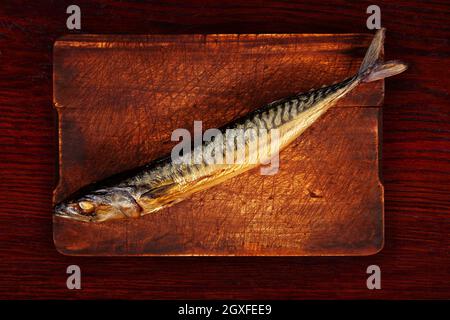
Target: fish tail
373, 68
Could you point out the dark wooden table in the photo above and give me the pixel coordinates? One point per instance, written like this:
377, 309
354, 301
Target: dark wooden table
415, 261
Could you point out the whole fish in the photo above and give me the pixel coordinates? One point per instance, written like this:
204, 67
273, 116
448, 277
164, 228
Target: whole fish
165, 182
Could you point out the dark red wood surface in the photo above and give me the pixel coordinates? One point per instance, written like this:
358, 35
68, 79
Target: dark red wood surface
415, 261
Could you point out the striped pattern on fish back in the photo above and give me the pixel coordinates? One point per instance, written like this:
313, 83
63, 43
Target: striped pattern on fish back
279, 112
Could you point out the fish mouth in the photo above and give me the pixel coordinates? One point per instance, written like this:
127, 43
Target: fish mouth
68, 212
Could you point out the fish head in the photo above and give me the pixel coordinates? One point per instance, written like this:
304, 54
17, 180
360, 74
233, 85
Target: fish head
100, 205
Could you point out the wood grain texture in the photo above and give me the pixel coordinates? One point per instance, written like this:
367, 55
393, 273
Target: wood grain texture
119, 98
415, 167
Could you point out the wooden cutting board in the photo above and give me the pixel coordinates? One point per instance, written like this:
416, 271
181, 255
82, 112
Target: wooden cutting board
119, 98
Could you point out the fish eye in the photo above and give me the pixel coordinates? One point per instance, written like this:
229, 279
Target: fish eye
86, 206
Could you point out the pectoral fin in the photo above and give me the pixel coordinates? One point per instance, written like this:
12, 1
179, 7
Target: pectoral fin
158, 191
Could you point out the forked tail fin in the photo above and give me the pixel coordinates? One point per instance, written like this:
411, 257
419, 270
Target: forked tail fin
372, 68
